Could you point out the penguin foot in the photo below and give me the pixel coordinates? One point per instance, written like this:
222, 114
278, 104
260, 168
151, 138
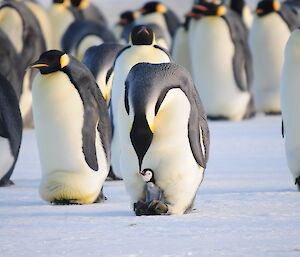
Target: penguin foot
297, 182
6, 183
220, 118
112, 176
155, 207
272, 113
65, 202
101, 197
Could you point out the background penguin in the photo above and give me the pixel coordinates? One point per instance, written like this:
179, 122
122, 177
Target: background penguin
142, 48
10, 131
242, 9
221, 62
72, 128
83, 34
269, 33
61, 15
124, 26
180, 47
167, 132
100, 59
89, 11
23, 30
290, 91
157, 13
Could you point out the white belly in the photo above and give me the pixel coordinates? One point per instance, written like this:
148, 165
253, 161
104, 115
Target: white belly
212, 53
181, 49
6, 159
58, 116
169, 156
60, 18
267, 40
125, 62
11, 24
159, 20
290, 93
86, 43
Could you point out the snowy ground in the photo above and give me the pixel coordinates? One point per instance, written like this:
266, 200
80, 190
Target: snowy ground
246, 206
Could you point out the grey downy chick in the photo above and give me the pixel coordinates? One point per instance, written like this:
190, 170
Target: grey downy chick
153, 192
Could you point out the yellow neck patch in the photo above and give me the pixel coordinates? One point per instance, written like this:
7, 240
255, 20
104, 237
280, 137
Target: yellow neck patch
64, 61
84, 4
276, 6
161, 8
221, 11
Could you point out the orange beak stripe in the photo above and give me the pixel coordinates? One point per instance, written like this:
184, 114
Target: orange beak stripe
201, 7
39, 65
259, 11
142, 11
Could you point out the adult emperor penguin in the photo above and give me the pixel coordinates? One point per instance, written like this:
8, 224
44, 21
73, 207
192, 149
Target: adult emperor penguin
273, 22
100, 59
290, 104
157, 13
242, 9
23, 30
83, 34
166, 131
180, 47
10, 131
72, 129
61, 15
89, 11
124, 26
221, 61
142, 48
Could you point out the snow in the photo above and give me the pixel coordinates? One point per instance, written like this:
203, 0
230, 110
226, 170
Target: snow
246, 206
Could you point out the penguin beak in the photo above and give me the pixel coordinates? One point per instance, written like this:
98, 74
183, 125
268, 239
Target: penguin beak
201, 7
259, 11
38, 65
142, 172
142, 11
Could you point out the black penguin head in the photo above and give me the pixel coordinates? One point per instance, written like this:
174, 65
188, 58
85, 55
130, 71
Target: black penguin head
80, 4
128, 17
63, 2
152, 7
267, 6
142, 35
148, 175
51, 61
208, 8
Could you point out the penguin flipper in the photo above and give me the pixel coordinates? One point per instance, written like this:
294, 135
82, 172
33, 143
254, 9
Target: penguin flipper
172, 21
282, 129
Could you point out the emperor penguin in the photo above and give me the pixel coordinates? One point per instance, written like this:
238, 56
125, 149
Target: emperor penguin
221, 62
165, 130
61, 15
272, 26
24, 31
100, 60
158, 13
10, 131
72, 128
241, 8
124, 26
142, 48
180, 50
289, 89
83, 34
89, 11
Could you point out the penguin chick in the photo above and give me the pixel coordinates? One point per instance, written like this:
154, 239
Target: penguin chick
153, 192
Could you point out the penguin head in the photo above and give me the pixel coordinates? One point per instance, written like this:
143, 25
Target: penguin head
51, 61
208, 8
147, 175
267, 6
142, 35
80, 4
152, 7
128, 17
66, 3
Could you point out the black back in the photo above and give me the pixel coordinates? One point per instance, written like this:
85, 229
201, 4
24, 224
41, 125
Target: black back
290, 13
172, 21
148, 81
95, 112
80, 29
11, 126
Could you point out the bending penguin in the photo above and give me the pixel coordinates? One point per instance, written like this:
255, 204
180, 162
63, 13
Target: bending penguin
82, 34
72, 128
290, 91
142, 48
272, 23
159, 14
167, 132
222, 71
11, 128
100, 59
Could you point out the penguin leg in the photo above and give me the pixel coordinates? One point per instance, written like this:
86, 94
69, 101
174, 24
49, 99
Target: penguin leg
297, 182
141, 208
157, 207
111, 175
101, 197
